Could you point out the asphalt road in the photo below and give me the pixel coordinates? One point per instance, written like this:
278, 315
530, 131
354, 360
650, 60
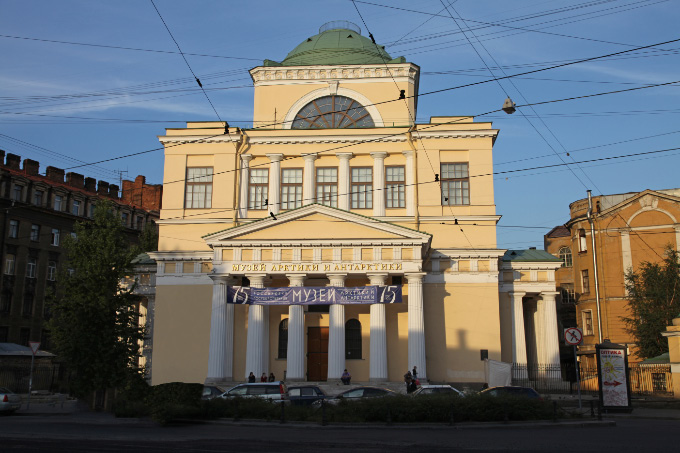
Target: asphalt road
102, 433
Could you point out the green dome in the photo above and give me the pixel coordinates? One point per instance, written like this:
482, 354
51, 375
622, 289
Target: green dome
338, 43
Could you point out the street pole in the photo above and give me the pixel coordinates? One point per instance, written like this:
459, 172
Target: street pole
30, 383
597, 283
578, 378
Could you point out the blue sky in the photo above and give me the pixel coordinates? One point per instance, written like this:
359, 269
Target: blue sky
66, 104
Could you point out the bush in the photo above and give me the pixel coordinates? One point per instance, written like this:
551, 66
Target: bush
167, 402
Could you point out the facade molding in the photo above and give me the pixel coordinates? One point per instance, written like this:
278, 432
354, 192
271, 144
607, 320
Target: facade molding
289, 75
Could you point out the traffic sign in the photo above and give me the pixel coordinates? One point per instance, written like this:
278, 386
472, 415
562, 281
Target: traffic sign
573, 336
35, 345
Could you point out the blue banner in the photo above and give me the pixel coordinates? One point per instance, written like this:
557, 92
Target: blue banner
308, 295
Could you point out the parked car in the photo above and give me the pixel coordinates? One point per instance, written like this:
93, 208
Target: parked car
522, 392
358, 393
431, 389
305, 395
272, 391
211, 391
9, 401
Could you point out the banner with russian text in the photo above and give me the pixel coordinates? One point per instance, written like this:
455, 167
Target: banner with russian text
308, 295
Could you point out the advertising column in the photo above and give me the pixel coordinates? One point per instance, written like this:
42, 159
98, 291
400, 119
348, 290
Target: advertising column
612, 374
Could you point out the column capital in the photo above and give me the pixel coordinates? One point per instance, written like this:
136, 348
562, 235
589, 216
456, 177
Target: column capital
222, 279
337, 279
344, 156
378, 155
246, 157
377, 279
257, 279
409, 153
296, 279
549, 294
415, 276
311, 157
517, 293
275, 157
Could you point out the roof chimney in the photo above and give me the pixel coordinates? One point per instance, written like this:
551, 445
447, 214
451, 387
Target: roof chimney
103, 188
13, 161
113, 191
90, 184
31, 167
75, 180
55, 174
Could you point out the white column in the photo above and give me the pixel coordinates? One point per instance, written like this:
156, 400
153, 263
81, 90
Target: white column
295, 363
539, 329
255, 345
343, 181
221, 349
677, 238
416, 325
519, 345
336, 333
378, 184
309, 176
550, 334
378, 364
408, 175
245, 176
274, 182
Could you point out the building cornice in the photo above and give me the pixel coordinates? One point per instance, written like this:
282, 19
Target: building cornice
287, 75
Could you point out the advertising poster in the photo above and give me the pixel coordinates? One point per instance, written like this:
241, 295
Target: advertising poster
614, 388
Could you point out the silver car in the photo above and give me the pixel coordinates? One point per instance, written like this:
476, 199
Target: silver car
9, 401
272, 391
432, 389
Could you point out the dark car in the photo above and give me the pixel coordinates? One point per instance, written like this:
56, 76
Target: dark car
521, 392
305, 395
358, 393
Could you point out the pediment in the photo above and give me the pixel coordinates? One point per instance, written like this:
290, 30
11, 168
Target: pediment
317, 224
645, 200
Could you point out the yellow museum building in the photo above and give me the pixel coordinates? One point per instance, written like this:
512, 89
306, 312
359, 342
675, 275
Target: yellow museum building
336, 186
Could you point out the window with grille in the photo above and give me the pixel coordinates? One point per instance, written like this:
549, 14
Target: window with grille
395, 187
585, 281
199, 188
13, 229
258, 189
332, 112
327, 186
565, 255
35, 233
283, 339
455, 183
361, 188
353, 339
291, 188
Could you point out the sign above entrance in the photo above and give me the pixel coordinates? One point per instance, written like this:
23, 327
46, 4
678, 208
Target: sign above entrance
308, 295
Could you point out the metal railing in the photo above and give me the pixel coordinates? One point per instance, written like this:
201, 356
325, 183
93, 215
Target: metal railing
16, 377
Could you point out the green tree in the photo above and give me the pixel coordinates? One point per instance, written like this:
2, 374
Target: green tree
95, 324
654, 292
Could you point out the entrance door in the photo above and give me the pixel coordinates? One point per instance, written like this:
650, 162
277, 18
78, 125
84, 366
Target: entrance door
317, 353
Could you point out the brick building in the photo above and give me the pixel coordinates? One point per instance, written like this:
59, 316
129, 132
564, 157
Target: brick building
38, 211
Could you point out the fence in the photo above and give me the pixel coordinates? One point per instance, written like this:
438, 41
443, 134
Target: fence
644, 379
16, 377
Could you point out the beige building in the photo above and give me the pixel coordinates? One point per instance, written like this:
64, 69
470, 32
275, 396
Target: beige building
336, 186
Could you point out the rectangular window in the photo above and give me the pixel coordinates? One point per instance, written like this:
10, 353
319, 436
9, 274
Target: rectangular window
75, 207
31, 266
395, 196
24, 336
17, 192
35, 233
455, 183
10, 264
5, 301
582, 241
361, 188
13, 229
585, 281
38, 196
258, 189
199, 188
52, 271
568, 294
327, 186
55, 237
291, 188
58, 201
124, 218
140, 222
587, 316
4, 334
92, 206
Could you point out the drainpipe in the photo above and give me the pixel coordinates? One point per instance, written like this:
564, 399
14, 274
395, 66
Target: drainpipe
237, 179
597, 284
410, 141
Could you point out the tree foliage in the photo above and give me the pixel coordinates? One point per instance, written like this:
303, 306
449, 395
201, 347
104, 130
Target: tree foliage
654, 292
95, 324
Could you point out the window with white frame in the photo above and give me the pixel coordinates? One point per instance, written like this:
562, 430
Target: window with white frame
13, 229
582, 242
17, 192
568, 294
58, 202
258, 189
31, 265
35, 233
587, 318
361, 187
565, 255
10, 264
395, 187
585, 281
327, 186
38, 197
55, 237
51, 271
199, 188
291, 188
75, 207
455, 183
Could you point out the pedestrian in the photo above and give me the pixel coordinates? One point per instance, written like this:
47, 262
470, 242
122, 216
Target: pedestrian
263, 378
408, 378
414, 373
413, 387
346, 377
251, 377
272, 378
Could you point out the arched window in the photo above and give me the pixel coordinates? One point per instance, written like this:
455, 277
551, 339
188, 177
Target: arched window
332, 112
283, 339
565, 255
353, 339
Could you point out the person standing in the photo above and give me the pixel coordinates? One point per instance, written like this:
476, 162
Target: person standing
408, 378
251, 377
272, 378
263, 378
414, 373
